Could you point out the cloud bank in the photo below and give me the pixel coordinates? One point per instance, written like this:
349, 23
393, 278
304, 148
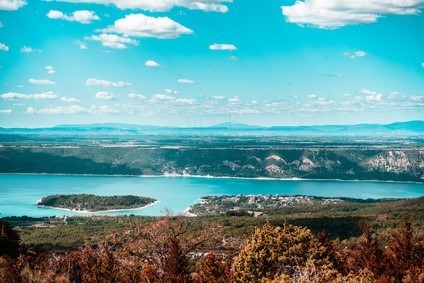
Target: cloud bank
162, 5
81, 16
38, 96
105, 83
333, 14
11, 5
41, 82
224, 46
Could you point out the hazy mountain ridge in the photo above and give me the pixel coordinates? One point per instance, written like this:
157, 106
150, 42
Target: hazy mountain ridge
410, 127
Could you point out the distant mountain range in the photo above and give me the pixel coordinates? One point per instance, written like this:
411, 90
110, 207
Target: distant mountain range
401, 128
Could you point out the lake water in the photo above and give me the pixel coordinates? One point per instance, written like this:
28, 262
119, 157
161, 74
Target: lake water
19, 193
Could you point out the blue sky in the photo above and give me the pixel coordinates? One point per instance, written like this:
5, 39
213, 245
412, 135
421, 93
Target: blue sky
173, 62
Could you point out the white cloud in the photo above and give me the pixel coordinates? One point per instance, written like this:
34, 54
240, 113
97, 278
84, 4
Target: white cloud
137, 96
139, 25
234, 58
234, 100
244, 111
1, 24
11, 5
41, 82
185, 81
312, 96
216, 97
105, 83
81, 16
160, 96
355, 54
30, 110
105, 109
38, 96
162, 5
331, 75
50, 69
165, 105
104, 95
5, 111
359, 53
69, 99
170, 91
59, 110
81, 44
185, 101
224, 46
371, 95
151, 63
422, 64
113, 40
4, 47
28, 49
75, 109
397, 96
367, 92
339, 13
119, 34
417, 97
374, 97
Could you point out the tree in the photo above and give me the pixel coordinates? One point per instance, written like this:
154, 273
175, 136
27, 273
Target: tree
405, 255
273, 251
368, 254
92, 265
161, 249
213, 268
9, 240
9, 270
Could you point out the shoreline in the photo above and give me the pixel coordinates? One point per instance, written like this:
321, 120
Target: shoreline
187, 212
98, 212
218, 177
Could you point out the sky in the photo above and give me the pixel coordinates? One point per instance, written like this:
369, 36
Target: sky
203, 62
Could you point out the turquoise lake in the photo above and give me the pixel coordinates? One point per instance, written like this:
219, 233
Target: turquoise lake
19, 192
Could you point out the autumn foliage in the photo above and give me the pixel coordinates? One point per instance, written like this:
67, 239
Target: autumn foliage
174, 249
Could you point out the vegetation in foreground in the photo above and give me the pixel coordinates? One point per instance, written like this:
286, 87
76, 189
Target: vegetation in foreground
93, 203
174, 249
340, 220
379, 241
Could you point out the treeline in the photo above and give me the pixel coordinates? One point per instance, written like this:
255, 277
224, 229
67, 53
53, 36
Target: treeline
178, 249
88, 202
340, 220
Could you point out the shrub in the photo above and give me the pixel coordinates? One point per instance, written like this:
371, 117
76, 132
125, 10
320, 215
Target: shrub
273, 251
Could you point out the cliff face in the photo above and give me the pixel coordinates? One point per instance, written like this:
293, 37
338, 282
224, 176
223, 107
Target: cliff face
397, 161
348, 164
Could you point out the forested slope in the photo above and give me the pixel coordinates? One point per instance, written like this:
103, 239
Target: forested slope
327, 163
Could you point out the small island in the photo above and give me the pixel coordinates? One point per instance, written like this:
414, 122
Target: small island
93, 203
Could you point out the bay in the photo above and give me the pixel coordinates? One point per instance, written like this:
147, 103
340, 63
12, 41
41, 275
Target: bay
19, 193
